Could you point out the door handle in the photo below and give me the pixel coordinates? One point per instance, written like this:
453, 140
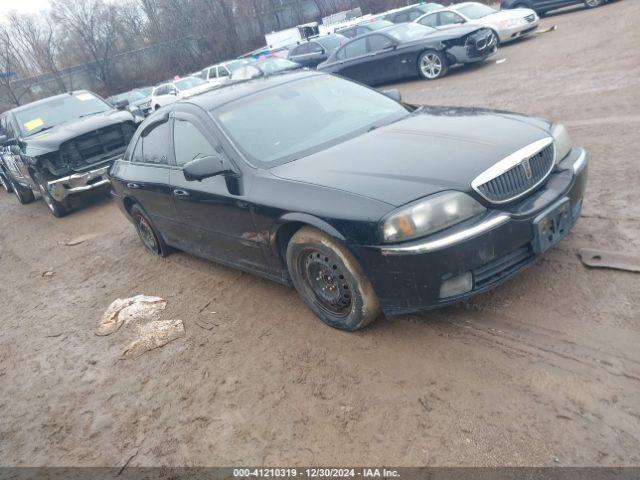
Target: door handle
133, 185
181, 193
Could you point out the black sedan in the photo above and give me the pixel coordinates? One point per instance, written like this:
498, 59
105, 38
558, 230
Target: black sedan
364, 28
363, 203
316, 50
410, 49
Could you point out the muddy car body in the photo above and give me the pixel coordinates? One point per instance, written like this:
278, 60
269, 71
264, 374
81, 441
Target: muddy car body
62, 145
380, 205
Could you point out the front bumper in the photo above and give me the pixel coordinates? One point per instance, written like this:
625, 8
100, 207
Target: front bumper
512, 33
61, 188
408, 277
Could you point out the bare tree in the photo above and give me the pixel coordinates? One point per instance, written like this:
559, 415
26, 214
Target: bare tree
92, 25
12, 68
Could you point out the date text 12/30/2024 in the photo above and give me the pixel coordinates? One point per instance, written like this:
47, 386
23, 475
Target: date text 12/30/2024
315, 473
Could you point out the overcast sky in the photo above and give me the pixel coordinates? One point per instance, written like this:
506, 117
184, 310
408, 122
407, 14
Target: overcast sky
24, 6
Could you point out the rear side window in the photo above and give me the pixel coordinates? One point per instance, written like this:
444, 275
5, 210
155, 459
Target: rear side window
189, 142
154, 147
356, 48
430, 20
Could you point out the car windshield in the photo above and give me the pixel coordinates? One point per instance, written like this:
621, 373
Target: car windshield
273, 65
331, 41
59, 110
407, 32
132, 96
476, 11
298, 118
189, 82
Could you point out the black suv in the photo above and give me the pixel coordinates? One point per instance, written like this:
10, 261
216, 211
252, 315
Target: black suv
62, 145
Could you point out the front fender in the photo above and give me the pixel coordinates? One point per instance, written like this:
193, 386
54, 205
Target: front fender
309, 220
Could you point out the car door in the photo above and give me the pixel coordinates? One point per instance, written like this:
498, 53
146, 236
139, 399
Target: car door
384, 60
356, 61
146, 179
214, 222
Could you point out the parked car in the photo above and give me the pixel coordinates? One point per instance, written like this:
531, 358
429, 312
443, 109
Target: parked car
62, 145
138, 102
507, 25
169, 92
146, 91
361, 202
263, 68
407, 50
317, 50
409, 13
364, 28
543, 6
217, 74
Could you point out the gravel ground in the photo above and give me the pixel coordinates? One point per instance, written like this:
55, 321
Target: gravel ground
544, 370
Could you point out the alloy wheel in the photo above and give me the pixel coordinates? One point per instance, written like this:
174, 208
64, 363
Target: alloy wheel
326, 280
431, 65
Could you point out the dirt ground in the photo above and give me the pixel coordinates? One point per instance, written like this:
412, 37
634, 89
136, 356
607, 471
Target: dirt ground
544, 370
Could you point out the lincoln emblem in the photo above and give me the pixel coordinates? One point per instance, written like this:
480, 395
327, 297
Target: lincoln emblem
526, 166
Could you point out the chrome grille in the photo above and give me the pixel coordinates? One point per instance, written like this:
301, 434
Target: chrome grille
97, 146
522, 173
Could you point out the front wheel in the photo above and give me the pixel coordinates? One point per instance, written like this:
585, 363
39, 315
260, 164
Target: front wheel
432, 65
330, 281
593, 3
57, 208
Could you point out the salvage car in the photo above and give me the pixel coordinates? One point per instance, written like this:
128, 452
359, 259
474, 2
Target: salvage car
61, 146
363, 203
137, 102
543, 6
169, 92
409, 13
409, 50
219, 73
507, 25
317, 50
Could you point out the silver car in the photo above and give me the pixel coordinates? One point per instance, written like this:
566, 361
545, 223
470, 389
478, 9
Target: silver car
507, 24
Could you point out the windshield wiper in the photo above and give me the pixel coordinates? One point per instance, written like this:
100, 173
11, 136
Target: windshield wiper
93, 113
41, 130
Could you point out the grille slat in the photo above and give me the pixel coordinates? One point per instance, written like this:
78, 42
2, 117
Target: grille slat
518, 179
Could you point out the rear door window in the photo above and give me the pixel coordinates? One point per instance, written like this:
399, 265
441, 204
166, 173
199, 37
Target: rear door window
356, 48
430, 20
378, 43
189, 142
155, 145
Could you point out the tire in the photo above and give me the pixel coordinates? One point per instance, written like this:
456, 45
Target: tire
495, 34
593, 3
432, 64
57, 208
149, 235
23, 194
6, 184
330, 281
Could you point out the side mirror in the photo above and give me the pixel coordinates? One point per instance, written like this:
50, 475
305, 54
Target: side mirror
173, 92
391, 46
393, 94
206, 167
122, 104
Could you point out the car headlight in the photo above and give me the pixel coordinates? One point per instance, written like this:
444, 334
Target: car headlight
562, 141
429, 215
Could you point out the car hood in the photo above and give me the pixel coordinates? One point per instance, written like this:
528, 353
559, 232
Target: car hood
434, 149
50, 140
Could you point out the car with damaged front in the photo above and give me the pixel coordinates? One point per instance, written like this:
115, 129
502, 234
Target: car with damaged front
62, 145
409, 50
363, 203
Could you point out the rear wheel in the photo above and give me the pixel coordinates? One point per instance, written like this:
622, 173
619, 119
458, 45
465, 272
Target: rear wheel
23, 194
432, 65
593, 3
148, 234
4, 181
330, 281
57, 208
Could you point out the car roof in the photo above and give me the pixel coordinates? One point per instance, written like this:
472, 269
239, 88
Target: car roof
212, 99
44, 101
